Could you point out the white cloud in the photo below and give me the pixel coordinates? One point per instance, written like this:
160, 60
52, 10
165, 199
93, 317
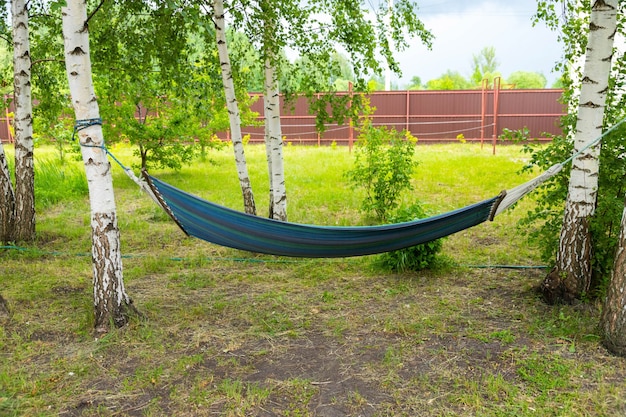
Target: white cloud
462, 29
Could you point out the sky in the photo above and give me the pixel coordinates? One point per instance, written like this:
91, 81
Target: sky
462, 28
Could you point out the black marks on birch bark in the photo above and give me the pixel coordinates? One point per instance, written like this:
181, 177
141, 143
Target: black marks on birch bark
77, 51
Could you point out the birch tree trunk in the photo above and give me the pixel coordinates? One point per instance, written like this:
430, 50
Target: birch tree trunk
233, 107
570, 279
111, 303
613, 319
274, 145
7, 200
23, 124
268, 157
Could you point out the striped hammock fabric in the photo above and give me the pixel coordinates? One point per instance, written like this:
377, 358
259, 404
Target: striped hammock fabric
223, 226
218, 224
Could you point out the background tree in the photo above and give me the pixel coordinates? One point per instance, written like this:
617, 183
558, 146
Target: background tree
52, 107
376, 83
141, 83
245, 61
526, 80
306, 71
415, 83
6, 56
484, 66
451, 80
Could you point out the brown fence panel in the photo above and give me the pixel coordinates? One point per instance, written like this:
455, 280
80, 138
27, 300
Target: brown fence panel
537, 110
431, 116
6, 120
444, 115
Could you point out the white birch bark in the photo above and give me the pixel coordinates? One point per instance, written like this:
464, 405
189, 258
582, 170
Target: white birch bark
23, 125
7, 200
233, 107
111, 302
274, 145
571, 277
268, 157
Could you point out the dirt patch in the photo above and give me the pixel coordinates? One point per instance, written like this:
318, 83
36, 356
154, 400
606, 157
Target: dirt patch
335, 369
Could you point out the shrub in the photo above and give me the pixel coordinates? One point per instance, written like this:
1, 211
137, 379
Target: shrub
416, 257
383, 167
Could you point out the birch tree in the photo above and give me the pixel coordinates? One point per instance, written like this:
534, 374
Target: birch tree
613, 319
274, 145
7, 194
7, 200
233, 107
111, 302
570, 279
23, 124
271, 105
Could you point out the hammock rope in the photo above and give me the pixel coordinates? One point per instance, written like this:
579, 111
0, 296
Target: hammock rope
227, 227
85, 123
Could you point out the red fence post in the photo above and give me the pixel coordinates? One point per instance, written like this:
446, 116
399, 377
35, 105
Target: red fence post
496, 94
7, 118
483, 109
408, 112
351, 130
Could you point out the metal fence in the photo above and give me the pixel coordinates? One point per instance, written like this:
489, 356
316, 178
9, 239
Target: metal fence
6, 121
431, 116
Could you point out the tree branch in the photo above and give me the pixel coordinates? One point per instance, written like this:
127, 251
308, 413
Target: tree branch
39, 61
94, 12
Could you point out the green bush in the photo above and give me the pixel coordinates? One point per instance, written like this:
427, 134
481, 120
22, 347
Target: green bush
383, 167
416, 257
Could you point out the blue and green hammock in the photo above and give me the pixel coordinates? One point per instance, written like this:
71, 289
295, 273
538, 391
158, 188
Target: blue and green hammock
227, 227
217, 224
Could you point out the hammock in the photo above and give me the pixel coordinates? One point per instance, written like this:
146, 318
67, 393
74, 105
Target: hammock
226, 227
223, 226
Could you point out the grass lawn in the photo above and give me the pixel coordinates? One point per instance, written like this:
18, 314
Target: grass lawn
231, 333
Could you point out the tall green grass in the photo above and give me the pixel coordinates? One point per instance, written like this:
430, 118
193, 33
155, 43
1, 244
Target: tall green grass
56, 182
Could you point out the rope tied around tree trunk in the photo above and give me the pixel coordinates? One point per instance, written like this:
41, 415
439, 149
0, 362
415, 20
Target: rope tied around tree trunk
84, 124
141, 182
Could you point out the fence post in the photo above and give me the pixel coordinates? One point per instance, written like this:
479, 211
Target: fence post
483, 110
496, 94
408, 111
351, 130
8, 120
319, 136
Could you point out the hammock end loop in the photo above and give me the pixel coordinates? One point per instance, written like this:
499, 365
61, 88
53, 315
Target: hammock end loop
496, 203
